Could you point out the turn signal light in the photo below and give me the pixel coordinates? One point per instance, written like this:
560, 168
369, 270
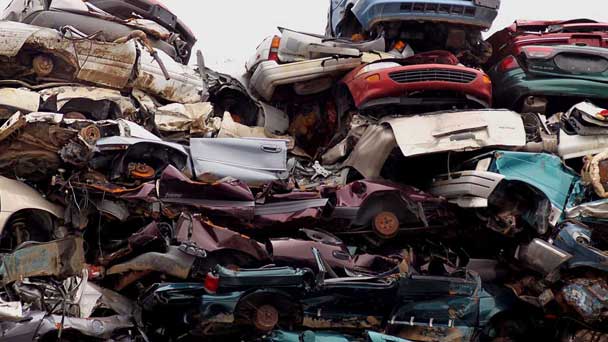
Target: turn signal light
373, 78
274, 49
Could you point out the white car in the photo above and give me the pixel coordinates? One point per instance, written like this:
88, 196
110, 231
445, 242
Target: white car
309, 63
25, 215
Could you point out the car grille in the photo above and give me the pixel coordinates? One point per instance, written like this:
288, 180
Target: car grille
444, 75
423, 7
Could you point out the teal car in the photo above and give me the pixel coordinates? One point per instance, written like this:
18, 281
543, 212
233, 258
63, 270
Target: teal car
550, 79
515, 189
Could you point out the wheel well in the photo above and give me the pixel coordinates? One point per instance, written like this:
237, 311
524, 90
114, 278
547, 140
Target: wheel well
40, 226
385, 201
290, 311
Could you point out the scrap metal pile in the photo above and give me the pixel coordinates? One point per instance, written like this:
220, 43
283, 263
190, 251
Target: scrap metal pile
354, 186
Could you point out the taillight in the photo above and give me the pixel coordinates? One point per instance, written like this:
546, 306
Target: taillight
212, 283
603, 113
508, 63
538, 51
274, 49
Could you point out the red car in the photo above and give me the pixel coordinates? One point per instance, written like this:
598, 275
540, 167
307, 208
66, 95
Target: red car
433, 79
509, 41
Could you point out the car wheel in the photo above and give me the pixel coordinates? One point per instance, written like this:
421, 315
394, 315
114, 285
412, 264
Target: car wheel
266, 318
386, 225
265, 311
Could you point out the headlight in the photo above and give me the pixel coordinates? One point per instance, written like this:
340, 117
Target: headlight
376, 67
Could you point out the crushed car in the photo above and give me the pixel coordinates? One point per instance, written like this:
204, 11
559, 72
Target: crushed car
424, 25
547, 67
360, 184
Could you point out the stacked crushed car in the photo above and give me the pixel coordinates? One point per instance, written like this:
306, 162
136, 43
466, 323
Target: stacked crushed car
355, 186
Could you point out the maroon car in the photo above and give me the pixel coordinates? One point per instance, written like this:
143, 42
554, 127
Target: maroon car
384, 209
432, 81
509, 41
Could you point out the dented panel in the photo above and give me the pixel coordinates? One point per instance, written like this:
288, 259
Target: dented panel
61, 259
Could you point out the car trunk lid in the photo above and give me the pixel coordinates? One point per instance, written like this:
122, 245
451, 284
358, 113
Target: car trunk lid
581, 62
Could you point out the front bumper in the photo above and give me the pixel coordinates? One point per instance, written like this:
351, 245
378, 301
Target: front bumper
420, 78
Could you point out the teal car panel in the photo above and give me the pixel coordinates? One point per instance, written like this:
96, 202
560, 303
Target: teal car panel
545, 172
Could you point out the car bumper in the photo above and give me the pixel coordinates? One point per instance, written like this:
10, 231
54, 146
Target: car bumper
372, 12
269, 75
429, 77
467, 189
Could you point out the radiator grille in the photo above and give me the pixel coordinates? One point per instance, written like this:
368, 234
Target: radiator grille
445, 75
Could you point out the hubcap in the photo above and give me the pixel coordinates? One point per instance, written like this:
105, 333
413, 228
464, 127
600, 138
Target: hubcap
266, 318
386, 224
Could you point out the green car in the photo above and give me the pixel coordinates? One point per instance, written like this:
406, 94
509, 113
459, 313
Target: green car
550, 79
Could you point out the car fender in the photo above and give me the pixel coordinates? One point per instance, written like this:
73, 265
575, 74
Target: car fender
17, 196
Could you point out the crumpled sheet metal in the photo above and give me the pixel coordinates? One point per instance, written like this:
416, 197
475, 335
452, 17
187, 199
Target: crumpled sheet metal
588, 297
13, 100
594, 173
593, 210
457, 131
184, 86
175, 263
60, 259
194, 118
77, 95
114, 65
11, 311
358, 126
101, 63
212, 238
38, 324
35, 145
231, 129
372, 151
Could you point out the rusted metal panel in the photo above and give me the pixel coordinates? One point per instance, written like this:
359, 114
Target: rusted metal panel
59, 259
13, 36
95, 62
184, 85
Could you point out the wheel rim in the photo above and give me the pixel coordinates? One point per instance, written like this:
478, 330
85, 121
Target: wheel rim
386, 224
266, 317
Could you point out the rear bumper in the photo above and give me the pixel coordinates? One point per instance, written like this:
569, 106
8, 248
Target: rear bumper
510, 88
372, 12
269, 75
364, 91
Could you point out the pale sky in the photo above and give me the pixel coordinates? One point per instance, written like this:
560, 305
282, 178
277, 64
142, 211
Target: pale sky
229, 31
